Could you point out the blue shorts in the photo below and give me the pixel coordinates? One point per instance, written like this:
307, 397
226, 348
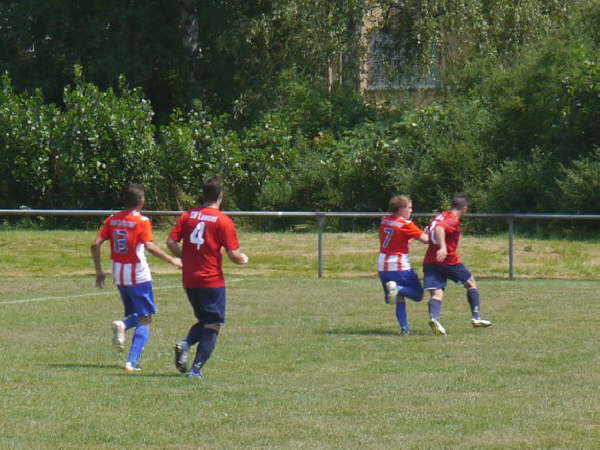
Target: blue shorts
138, 299
208, 304
407, 281
435, 276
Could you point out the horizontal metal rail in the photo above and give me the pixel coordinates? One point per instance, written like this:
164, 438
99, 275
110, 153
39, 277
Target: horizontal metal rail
320, 216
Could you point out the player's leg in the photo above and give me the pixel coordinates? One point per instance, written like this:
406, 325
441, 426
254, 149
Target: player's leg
460, 274
409, 286
474, 304
389, 285
138, 342
119, 327
209, 308
206, 346
434, 281
142, 298
390, 281
183, 346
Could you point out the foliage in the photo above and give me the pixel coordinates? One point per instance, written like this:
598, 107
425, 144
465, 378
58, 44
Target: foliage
107, 140
579, 185
193, 146
27, 152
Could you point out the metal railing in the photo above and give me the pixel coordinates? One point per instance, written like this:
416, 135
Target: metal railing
320, 217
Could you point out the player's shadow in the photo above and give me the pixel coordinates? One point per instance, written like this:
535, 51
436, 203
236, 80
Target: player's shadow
84, 366
366, 332
115, 368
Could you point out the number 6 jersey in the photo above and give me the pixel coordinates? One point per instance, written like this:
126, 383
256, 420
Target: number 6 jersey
203, 233
127, 232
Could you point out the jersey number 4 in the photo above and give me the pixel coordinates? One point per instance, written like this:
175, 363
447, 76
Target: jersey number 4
197, 235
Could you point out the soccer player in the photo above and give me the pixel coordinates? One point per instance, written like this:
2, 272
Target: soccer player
204, 232
398, 278
442, 263
129, 233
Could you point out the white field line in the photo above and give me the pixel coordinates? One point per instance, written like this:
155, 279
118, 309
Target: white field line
89, 294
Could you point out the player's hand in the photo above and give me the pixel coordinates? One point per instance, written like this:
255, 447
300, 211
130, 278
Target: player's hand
100, 278
177, 263
441, 254
243, 259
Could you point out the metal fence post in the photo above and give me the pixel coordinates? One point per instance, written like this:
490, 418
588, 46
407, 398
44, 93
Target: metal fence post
511, 239
321, 224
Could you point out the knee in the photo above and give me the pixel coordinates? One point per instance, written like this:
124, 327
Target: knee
212, 326
470, 284
145, 320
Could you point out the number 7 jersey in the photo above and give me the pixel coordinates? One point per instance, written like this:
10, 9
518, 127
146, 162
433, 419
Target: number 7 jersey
394, 235
203, 233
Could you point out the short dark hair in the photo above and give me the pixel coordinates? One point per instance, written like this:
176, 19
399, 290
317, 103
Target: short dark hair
459, 201
212, 188
132, 195
397, 202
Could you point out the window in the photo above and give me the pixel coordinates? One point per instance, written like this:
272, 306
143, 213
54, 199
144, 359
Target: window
391, 64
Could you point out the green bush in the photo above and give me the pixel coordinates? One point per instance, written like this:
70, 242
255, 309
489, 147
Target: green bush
579, 185
106, 141
28, 148
194, 146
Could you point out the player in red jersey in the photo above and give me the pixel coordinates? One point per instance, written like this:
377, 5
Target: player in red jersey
204, 232
398, 278
442, 262
129, 234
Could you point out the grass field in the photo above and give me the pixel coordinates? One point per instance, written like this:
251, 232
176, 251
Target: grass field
302, 362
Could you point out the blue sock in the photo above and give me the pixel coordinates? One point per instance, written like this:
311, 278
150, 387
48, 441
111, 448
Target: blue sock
401, 315
435, 308
130, 321
473, 299
137, 343
206, 345
194, 334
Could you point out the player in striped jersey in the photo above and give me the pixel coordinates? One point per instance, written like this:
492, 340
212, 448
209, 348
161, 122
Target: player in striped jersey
398, 278
130, 233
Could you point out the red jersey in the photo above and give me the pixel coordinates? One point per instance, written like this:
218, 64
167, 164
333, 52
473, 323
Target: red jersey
451, 225
127, 232
204, 232
394, 235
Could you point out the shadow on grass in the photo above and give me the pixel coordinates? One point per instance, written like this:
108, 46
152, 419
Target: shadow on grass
369, 332
85, 366
118, 368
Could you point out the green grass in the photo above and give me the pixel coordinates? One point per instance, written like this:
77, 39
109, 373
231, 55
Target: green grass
301, 362
347, 255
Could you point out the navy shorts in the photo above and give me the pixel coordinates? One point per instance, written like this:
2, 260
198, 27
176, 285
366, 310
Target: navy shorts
435, 276
208, 304
138, 299
407, 281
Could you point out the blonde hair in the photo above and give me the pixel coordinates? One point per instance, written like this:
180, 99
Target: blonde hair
397, 202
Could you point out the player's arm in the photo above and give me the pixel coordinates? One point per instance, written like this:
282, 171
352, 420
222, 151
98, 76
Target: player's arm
424, 238
95, 250
160, 253
237, 256
440, 237
174, 247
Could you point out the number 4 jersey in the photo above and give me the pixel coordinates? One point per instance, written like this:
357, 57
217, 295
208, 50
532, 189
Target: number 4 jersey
394, 235
127, 232
203, 233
